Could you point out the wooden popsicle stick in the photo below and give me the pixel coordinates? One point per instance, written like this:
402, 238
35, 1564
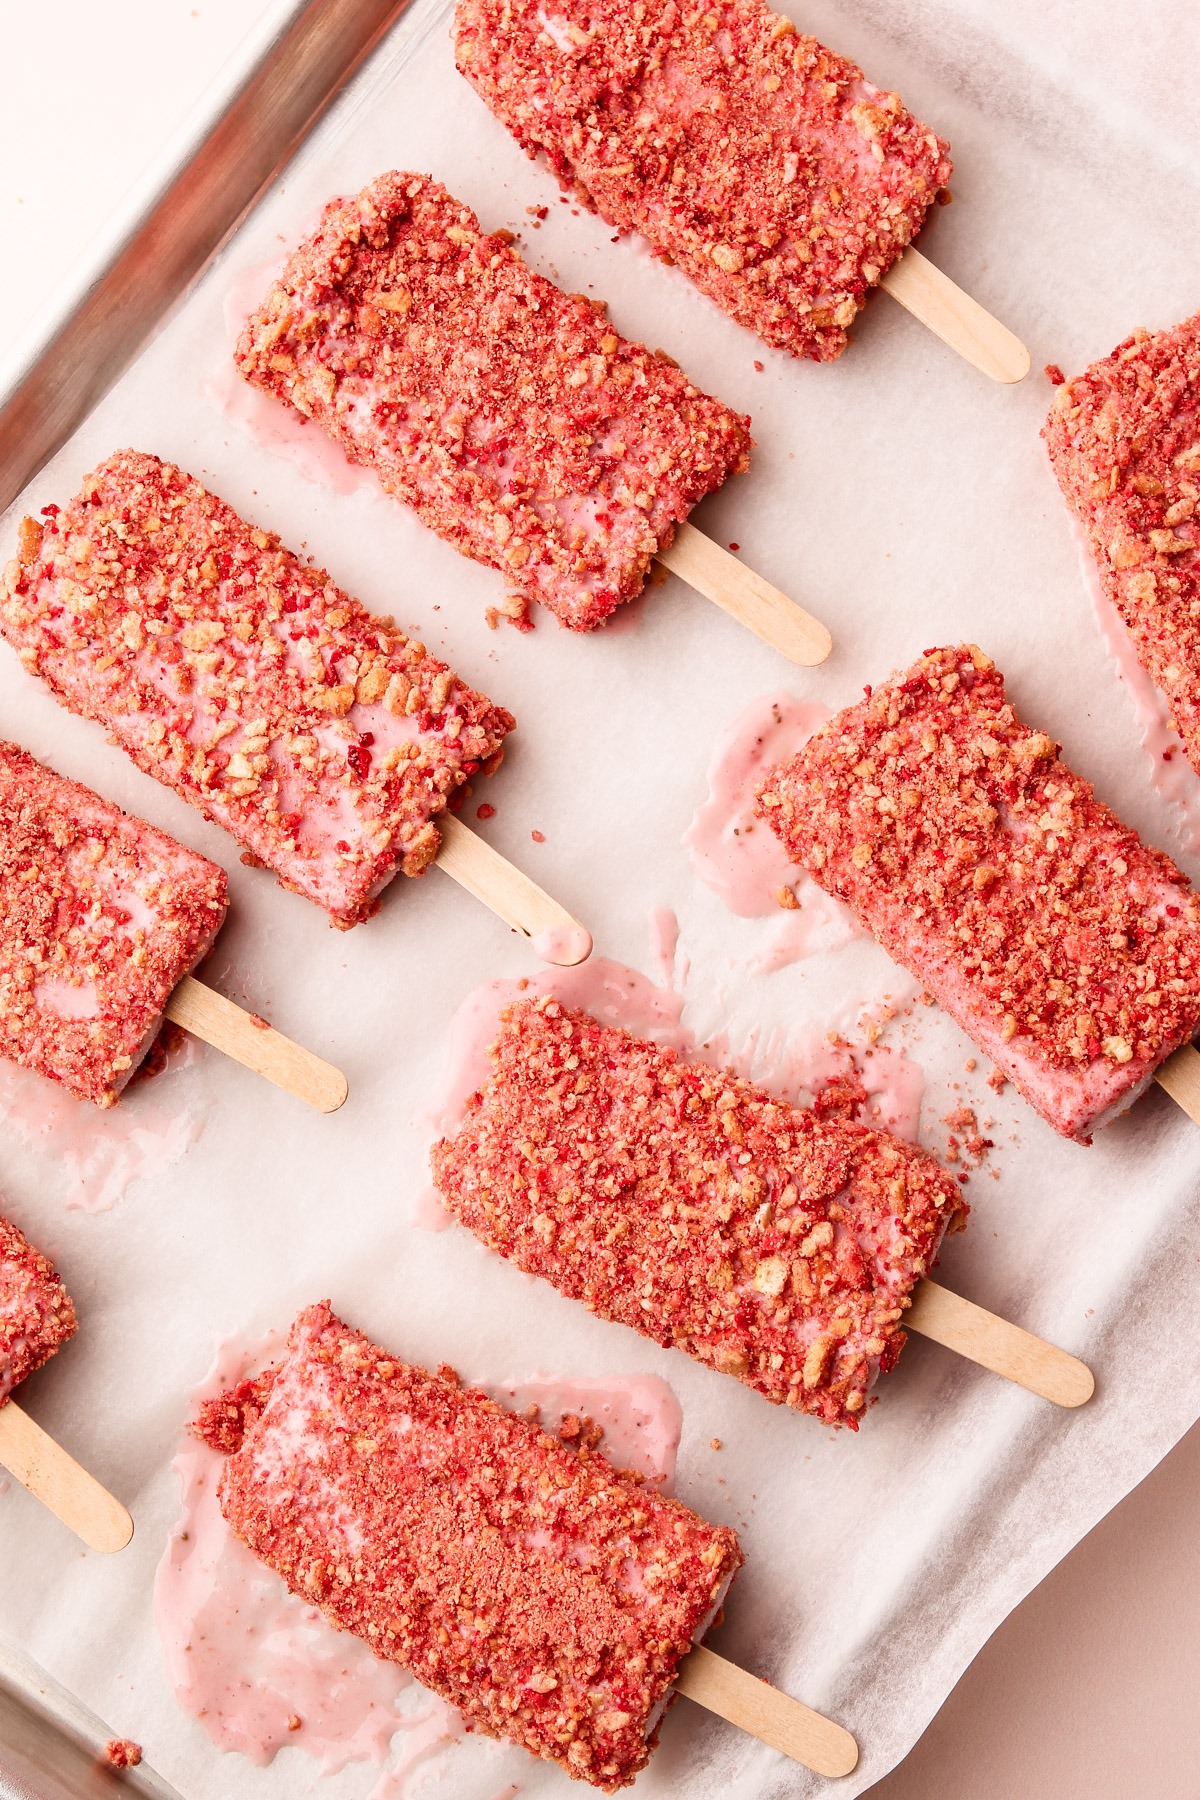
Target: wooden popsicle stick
766, 1713
1180, 1077
959, 321
57, 1480
996, 1344
746, 597
229, 1027
511, 895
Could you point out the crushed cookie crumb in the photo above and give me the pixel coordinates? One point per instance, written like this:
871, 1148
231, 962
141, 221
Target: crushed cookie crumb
122, 1753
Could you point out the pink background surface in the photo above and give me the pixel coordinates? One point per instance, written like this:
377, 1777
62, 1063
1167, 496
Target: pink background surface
1088, 1691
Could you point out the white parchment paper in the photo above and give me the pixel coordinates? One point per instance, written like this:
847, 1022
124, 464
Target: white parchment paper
908, 502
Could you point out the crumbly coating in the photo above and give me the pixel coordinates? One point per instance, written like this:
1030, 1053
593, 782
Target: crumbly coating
36, 1314
768, 168
1124, 439
544, 1593
673, 1197
1065, 947
101, 917
122, 1753
315, 732
512, 416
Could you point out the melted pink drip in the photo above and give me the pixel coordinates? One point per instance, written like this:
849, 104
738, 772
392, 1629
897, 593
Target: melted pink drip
732, 852
1170, 771
247, 1658
102, 1152
270, 423
424, 1736
564, 945
640, 1415
739, 856
802, 1066
664, 944
607, 989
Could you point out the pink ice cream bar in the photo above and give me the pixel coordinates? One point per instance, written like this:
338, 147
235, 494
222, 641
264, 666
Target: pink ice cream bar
673, 1197
768, 168
315, 732
1124, 438
547, 1595
101, 917
510, 415
1068, 950
36, 1314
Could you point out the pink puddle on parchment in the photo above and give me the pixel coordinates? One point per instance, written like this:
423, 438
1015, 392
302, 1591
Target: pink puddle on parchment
270, 423
797, 1065
738, 855
103, 1151
259, 1668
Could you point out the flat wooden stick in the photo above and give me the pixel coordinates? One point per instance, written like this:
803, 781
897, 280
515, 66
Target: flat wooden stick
57, 1480
775, 1718
228, 1027
746, 597
995, 1344
555, 934
1180, 1076
959, 321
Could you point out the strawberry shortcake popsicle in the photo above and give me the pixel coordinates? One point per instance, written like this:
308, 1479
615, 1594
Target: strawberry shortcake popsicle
767, 167
1064, 946
512, 417
320, 736
546, 1594
101, 917
774, 1245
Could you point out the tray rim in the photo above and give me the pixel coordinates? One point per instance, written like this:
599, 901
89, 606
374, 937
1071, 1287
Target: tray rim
166, 232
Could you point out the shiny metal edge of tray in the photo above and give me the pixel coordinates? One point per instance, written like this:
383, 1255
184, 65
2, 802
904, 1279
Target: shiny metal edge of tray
162, 238
152, 252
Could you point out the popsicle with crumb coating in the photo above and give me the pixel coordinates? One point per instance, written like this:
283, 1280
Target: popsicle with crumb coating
1124, 439
320, 736
1064, 946
673, 1197
515, 420
547, 1595
36, 1314
768, 168
101, 917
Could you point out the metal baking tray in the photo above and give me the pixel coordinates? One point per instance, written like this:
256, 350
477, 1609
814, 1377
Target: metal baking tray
52, 1747
172, 225
153, 251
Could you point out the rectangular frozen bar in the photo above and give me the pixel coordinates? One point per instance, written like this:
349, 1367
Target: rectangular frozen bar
544, 1593
1124, 439
768, 168
675, 1198
510, 415
315, 732
101, 917
36, 1314
1068, 950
